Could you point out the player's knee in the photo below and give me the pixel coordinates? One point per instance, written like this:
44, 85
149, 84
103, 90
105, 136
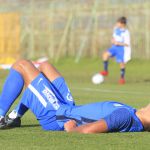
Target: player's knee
44, 66
122, 65
20, 64
105, 55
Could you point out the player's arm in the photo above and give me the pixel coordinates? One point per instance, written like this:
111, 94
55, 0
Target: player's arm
126, 42
113, 41
119, 120
121, 44
95, 127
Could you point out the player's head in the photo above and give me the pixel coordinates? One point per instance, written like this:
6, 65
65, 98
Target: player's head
145, 117
121, 22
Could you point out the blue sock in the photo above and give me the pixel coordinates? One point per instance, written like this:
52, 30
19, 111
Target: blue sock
21, 109
105, 65
122, 72
11, 90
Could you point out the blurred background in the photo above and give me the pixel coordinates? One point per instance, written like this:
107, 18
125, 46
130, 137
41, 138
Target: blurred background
69, 28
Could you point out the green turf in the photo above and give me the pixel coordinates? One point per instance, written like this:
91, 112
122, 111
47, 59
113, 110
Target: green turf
136, 93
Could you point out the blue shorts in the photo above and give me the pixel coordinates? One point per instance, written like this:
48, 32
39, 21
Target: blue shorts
61, 87
118, 52
44, 98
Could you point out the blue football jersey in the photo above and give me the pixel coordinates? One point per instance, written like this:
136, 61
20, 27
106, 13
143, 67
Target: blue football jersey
119, 117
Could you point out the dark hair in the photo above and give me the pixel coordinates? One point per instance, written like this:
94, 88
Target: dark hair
122, 20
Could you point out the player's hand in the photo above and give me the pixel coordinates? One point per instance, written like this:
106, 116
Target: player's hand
113, 41
119, 44
70, 125
116, 43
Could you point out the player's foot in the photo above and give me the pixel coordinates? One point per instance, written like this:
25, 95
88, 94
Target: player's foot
122, 81
2, 123
104, 73
12, 123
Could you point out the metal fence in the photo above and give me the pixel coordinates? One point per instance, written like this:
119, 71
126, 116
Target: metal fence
77, 28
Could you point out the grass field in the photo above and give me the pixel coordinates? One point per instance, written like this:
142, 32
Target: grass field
136, 93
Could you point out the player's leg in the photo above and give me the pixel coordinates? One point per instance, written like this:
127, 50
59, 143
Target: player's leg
12, 88
106, 55
28, 71
41, 99
49, 71
59, 85
122, 73
14, 117
120, 60
19, 110
21, 72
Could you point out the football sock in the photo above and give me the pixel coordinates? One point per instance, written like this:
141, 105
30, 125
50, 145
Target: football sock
122, 72
14, 115
105, 65
20, 110
11, 90
1, 117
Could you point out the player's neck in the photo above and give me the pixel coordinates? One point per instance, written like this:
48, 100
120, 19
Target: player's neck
123, 28
139, 114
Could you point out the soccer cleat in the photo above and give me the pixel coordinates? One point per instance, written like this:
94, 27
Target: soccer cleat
12, 123
2, 123
104, 73
122, 81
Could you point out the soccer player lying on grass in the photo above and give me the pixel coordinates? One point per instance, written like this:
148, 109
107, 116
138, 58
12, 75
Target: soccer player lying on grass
48, 97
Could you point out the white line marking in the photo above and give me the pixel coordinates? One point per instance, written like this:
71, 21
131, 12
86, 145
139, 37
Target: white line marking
110, 91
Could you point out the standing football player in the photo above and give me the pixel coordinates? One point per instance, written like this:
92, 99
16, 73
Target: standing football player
121, 48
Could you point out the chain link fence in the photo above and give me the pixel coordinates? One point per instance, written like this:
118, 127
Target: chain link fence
79, 28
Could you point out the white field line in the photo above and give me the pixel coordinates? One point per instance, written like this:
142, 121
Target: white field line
110, 91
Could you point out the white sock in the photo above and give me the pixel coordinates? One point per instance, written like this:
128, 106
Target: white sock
1, 117
14, 114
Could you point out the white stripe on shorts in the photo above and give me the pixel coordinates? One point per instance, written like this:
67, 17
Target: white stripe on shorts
38, 95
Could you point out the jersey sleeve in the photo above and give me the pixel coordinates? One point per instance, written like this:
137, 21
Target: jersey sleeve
119, 121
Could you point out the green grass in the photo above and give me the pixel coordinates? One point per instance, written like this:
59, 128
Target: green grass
136, 93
